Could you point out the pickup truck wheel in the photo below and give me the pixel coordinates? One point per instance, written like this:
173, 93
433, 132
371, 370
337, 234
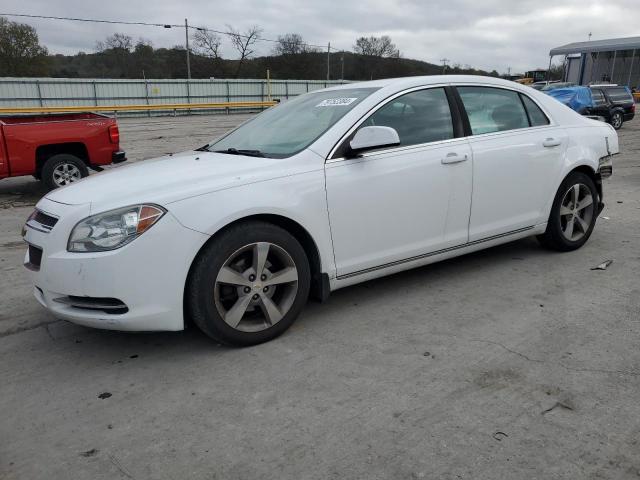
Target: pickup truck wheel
249, 284
63, 169
617, 120
573, 215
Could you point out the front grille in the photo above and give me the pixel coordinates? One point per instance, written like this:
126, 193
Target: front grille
35, 258
103, 304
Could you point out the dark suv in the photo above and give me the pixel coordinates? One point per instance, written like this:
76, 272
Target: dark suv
614, 103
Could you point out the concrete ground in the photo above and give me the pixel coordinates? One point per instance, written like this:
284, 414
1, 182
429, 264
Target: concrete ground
512, 363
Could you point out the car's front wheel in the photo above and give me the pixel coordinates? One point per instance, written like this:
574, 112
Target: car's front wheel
573, 214
249, 284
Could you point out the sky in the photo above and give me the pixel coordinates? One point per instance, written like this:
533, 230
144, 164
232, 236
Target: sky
486, 34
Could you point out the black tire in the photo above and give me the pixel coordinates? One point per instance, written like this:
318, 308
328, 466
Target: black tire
201, 303
49, 174
617, 120
554, 237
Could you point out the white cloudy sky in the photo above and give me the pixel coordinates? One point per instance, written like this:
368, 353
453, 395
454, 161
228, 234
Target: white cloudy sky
488, 34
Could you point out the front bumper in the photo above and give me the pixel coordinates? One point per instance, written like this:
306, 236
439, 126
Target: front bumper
148, 275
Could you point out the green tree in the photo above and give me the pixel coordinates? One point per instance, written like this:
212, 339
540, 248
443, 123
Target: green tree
21, 54
116, 51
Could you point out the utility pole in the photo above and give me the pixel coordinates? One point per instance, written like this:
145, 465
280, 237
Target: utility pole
342, 66
444, 64
509, 71
328, 60
186, 35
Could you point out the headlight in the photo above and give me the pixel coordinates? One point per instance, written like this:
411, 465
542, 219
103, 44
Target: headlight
113, 229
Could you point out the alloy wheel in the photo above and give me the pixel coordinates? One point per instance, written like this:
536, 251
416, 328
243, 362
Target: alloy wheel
256, 287
66, 173
616, 121
576, 212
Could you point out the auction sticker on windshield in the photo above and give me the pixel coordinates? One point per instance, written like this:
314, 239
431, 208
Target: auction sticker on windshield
336, 102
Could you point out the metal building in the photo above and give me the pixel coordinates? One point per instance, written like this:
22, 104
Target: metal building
616, 60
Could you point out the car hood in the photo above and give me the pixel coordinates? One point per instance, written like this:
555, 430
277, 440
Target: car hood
171, 178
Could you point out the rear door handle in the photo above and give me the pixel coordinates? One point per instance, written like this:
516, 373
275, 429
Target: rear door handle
551, 142
454, 158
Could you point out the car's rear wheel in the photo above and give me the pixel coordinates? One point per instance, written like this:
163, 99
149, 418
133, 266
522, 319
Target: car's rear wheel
249, 284
573, 215
63, 169
617, 120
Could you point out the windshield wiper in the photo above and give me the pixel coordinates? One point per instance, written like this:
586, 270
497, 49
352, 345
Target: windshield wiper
235, 151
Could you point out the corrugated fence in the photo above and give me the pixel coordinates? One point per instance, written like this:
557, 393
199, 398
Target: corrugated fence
56, 92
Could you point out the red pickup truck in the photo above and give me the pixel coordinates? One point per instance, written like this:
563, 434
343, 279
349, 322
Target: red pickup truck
58, 149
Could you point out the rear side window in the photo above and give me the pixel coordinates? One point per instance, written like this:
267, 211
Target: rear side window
493, 109
536, 116
419, 117
619, 95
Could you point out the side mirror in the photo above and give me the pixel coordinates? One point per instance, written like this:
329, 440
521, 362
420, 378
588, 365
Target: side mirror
368, 138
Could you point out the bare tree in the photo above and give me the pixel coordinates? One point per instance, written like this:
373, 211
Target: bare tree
290, 44
376, 47
117, 41
207, 43
244, 42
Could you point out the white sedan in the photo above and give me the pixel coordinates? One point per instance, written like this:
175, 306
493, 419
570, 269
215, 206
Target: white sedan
329, 189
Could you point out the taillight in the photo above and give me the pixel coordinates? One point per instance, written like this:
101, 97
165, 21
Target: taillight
114, 134
633, 108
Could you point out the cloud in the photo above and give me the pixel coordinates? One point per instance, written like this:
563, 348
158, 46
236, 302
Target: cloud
488, 34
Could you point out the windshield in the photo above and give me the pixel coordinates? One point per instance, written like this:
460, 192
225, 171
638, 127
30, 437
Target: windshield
292, 126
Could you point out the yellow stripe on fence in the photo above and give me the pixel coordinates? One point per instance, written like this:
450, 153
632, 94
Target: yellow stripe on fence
137, 108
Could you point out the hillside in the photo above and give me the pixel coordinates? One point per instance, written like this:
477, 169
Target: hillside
148, 62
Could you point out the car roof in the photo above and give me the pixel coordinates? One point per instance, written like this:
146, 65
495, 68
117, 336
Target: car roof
426, 80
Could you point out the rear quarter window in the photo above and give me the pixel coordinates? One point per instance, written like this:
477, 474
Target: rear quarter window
536, 116
619, 95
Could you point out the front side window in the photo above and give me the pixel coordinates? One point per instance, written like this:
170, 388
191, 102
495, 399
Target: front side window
419, 117
493, 109
291, 127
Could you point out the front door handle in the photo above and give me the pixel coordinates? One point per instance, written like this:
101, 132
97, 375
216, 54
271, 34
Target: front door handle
454, 158
551, 142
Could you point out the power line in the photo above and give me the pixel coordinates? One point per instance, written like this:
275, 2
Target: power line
121, 22
148, 24
187, 27
206, 29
